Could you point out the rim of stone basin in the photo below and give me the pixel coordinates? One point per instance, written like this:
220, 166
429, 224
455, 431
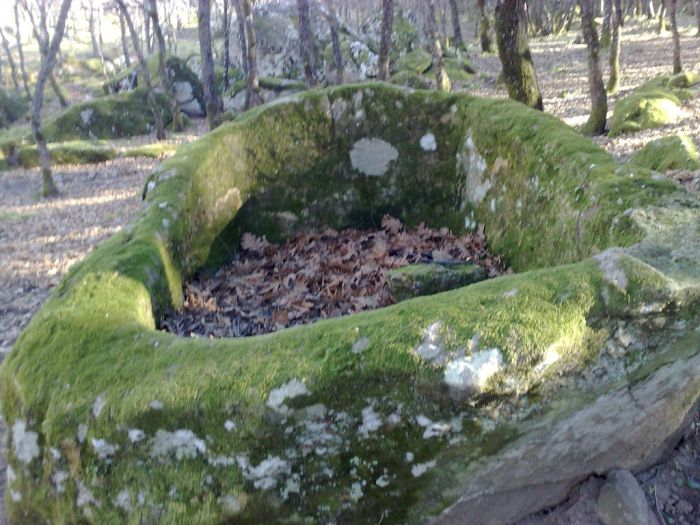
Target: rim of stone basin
489, 401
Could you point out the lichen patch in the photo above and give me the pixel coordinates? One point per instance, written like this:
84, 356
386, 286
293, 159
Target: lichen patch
25, 443
182, 444
472, 373
372, 156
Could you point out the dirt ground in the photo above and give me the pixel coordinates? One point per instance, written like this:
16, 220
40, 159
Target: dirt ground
41, 239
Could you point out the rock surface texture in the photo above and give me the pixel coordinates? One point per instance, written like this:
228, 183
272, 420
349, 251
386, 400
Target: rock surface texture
478, 405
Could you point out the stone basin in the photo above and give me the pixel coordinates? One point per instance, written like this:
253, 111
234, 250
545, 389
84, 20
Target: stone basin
477, 405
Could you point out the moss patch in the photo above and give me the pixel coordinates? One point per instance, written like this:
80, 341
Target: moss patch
668, 153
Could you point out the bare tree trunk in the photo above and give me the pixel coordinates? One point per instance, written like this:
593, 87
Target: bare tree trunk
242, 43
49, 50
385, 44
696, 7
459, 40
253, 92
614, 81
125, 41
485, 36
335, 42
145, 74
147, 37
606, 33
443, 81
10, 60
57, 90
306, 43
166, 81
93, 33
226, 22
513, 49
599, 99
662, 17
677, 66
211, 97
20, 52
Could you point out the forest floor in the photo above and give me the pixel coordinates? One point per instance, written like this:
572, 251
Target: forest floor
41, 239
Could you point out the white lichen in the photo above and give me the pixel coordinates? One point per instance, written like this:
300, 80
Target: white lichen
360, 345
290, 390
428, 142
372, 156
182, 443
103, 449
123, 501
472, 373
356, 491
59, 479
609, 264
421, 468
156, 404
231, 504
136, 435
431, 347
410, 457
25, 443
82, 433
84, 496
266, 474
229, 425
371, 422
99, 405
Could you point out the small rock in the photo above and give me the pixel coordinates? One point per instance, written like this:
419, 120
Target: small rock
621, 500
416, 280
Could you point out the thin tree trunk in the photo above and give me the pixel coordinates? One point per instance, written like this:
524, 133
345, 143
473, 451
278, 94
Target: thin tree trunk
10, 61
95, 39
145, 74
252, 97
614, 81
443, 81
335, 42
125, 41
166, 81
662, 17
459, 40
20, 52
513, 49
385, 44
147, 37
48, 51
306, 42
242, 43
211, 97
57, 90
677, 66
485, 36
599, 99
226, 21
696, 6
606, 33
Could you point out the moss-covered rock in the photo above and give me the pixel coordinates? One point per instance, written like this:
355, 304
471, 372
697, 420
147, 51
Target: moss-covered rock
416, 280
668, 153
271, 88
75, 152
187, 87
12, 108
654, 104
488, 401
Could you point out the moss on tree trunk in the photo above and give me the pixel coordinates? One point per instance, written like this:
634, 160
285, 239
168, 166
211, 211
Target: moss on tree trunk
518, 68
599, 99
614, 81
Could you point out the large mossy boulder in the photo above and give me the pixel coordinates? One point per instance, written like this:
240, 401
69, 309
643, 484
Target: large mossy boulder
675, 152
187, 87
271, 88
654, 104
477, 405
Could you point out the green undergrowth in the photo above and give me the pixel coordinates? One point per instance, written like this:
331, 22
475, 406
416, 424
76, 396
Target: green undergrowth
92, 365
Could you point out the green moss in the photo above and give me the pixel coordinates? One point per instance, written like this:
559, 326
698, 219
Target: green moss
654, 104
12, 108
410, 80
417, 62
290, 163
668, 153
75, 152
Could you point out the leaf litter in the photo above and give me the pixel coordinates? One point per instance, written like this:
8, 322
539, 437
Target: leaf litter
314, 276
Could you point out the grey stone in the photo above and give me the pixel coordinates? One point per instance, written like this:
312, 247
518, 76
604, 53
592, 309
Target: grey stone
621, 500
426, 279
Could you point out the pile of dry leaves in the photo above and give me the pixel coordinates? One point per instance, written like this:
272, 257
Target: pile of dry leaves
315, 276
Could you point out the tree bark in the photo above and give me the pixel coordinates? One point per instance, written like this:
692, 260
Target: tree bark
226, 22
125, 41
606, 33
20, 52
443, 81
48, 50
307, 45
615, 45
599, 99
459, 40
57, 90
385, 43
10, 61
696, 7
147, 37
252, 97
662, 17
677, 66
166, 81
145, 74
485, 35
242, 43
518, 68
211, 97
335, 41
